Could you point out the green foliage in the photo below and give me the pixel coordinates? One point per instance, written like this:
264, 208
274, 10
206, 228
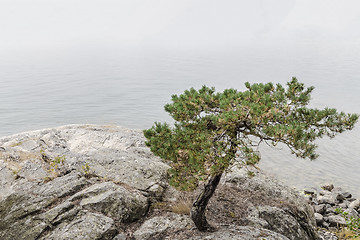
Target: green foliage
352, 223
16, 144
214, 130
56, 163
86, 170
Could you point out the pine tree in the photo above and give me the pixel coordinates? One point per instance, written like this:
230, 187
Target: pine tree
213, 131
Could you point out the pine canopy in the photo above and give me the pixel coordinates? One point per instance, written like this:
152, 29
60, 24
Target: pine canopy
214, 130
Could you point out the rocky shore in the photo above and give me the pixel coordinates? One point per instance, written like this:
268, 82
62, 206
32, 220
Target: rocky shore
333, 207
102, 182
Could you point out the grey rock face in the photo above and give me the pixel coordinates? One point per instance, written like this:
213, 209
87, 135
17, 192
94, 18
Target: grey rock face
319, 219
120, 236
158, 227
26, 213
282, 222
336, 220
75, 182
321, 208
155, 227
355, 204
325, 235
242, 233
327, 199
293, 217
113, 201
112, 153
88, 181
86, 225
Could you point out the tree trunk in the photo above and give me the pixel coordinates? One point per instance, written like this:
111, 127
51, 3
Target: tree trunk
199, 206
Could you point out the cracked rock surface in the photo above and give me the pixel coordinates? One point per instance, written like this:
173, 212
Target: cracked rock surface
75, 182
102, 182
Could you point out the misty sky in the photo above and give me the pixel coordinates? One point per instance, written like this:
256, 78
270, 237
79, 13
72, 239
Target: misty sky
25, 23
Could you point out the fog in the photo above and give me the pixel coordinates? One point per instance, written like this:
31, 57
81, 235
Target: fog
175, 23
119, 61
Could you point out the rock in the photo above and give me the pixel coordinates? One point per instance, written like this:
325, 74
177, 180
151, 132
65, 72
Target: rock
352, 212
240, 233
326, 199
26, 213
62, 186
326, 224
157, 226
336, 221
120, 236
344, 204
97, 182
324, 192
113, 201
321, 208
330, 210
309, 192
328, 187
282, 222
86, 225
327, 204
110, 152
161, 227
340, 197
319, 219
292, 210
347, 195
337, 190
355, 204
325, 235
76, 182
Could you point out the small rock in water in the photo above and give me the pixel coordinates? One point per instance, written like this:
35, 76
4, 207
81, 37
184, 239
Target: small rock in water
328, 187
309, 192
347, 195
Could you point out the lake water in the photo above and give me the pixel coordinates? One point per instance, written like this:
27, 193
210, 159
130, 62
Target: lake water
42, 88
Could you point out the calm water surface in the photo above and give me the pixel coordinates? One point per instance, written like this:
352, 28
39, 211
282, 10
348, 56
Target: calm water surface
110, 85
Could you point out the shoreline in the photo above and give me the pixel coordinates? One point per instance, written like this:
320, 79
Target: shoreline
300, 188
76, 171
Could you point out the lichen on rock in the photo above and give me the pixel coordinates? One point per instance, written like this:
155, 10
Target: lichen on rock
98, 182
